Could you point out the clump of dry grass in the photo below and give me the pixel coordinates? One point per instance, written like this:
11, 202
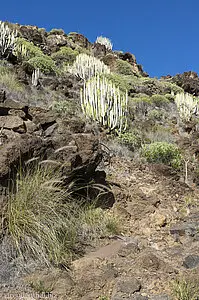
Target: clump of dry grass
185, 289
46, 224
8, 80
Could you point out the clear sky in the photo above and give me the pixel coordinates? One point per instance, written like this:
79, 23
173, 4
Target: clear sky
163, 34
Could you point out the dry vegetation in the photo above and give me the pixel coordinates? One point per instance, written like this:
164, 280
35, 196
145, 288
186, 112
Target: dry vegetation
46, 223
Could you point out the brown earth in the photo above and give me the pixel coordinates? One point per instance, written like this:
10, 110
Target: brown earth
159, 240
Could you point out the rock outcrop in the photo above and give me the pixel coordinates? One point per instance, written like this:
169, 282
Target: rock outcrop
36, 133
189, 81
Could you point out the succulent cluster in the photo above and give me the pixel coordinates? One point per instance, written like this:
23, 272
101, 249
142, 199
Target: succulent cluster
187, 105
102, 101
87, 66
104, 41
35, 77
7, 39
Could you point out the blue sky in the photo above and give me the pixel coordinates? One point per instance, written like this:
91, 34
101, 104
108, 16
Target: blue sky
163, 34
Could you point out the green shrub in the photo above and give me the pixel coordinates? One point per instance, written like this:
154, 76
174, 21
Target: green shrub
44, 63
154, 99
155, 115
141, 98
170, 97
130, 139
56, 31
64, 107
123, 67
159, 99
4, 70
140, 105
26, 50
65, 54
119, 80
81, 50
162, 152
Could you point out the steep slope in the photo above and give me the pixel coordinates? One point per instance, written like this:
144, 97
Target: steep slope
131, 175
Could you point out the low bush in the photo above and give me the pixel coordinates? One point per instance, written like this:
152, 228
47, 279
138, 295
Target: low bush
65, 54
162, 152
141, 98
155, 115
130, 139
170, 97
65, 107
123, 67
44, 63
56, 31
159, 100
119, 80
26, 50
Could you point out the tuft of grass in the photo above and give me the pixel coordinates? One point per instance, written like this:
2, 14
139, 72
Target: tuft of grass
40, 287
183, 289
9, 80
96, 222
159, 133
37, 217
44, 221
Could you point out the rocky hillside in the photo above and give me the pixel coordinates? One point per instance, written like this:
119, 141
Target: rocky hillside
98, 172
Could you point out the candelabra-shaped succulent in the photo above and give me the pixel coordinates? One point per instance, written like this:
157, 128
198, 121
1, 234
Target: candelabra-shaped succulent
102, 101
187, 105
87, 66
7, 39
35, 77
104, 41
